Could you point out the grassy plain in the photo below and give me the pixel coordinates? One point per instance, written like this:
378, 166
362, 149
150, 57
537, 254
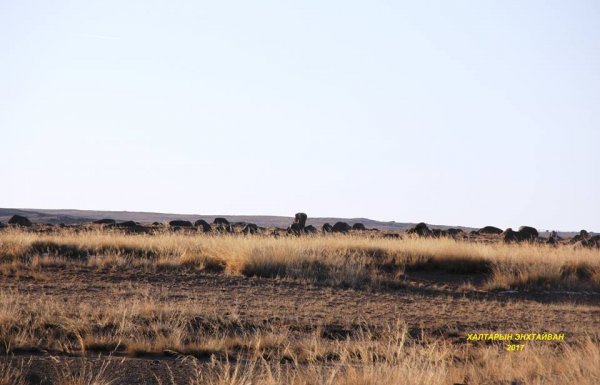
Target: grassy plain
99, 307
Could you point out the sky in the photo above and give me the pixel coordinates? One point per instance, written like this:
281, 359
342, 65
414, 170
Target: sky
448, 112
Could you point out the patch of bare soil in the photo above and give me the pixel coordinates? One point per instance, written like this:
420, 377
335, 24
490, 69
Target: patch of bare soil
433, 305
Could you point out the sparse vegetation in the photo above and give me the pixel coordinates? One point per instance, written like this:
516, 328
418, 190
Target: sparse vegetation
394, 361
351, 261
221, 345
12, 373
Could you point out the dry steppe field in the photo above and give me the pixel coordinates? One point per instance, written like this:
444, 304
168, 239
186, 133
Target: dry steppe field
94, 305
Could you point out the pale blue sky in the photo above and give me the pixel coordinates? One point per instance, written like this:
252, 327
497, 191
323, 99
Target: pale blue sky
449, 112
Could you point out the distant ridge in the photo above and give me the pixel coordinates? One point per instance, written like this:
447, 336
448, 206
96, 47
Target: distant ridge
68, 216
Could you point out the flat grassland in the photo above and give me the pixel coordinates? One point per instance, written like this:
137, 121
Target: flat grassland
102, 307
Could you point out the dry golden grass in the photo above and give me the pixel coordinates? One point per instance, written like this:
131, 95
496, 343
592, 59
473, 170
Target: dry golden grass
435, 365
226, 349
353, 261
395, 362
12, 374
84, 374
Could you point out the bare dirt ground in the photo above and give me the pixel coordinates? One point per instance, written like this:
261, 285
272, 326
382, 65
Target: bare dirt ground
433, 306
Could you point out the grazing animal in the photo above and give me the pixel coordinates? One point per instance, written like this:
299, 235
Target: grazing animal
310, 229
421, 230
201, 223
180, 223
582, 236
224, 229
295, 229
250, 228
19, 220
489, 230
453, 231
326, 228
341, 227
510, 235
358, 226
438, 233
132, 227
221, 222
590, 242
128, 224
527, 233
105, 221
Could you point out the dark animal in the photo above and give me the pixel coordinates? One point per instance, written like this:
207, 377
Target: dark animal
582, 236
326, 228
438, 233
19, 220
300, 218
509, 235
221, 222
132, 227
590, 242
421, 230
341, 227
358, 226
224, 229
310, 229
201, 223
452, 231
250, 228
489, 230
527, 233
105, 221
297, 227
128, 224
180, 223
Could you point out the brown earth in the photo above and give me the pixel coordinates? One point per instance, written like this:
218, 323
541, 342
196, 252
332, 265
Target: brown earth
433, 305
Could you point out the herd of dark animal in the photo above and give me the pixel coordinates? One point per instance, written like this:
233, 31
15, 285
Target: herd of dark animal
219, 225
524, 234
299, 227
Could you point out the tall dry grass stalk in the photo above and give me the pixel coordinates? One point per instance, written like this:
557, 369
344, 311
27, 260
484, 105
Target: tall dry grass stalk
13, 373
